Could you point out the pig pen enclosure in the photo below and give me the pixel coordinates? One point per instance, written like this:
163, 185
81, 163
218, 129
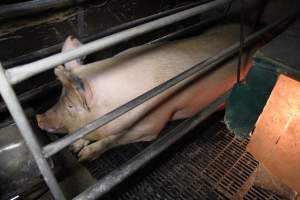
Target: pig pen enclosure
195, 158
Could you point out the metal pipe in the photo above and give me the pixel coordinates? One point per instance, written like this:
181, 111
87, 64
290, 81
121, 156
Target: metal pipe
201, 68
26, 131
115, 177
242, 38
20, 73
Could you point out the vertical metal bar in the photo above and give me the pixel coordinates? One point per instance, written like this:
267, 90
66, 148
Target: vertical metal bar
242, 40
26, 131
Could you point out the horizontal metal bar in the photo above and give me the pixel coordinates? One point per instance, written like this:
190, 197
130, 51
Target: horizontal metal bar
201, 68
115, 177
26, 131
38, 91
188, 29
20, 73
8, 11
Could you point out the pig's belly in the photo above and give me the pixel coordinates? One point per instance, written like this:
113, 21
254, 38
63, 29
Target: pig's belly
202, 92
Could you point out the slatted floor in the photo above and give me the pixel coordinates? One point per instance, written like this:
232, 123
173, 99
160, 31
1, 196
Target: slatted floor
209, 163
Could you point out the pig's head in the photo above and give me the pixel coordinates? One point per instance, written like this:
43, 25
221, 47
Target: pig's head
71, 111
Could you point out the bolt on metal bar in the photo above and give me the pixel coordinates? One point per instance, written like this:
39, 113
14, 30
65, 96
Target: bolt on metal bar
201, 68
20, 73
26, 131
108, 182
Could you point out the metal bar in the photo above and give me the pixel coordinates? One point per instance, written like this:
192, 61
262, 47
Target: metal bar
8, 11
20, 73
18, 115
186, 30
29, 95
114, 178
201, 68
242, 38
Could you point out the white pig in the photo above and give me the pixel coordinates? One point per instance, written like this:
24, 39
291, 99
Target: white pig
92, 90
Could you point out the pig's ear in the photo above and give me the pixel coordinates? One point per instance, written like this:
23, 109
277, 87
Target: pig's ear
61, 74
70, 44
72, 82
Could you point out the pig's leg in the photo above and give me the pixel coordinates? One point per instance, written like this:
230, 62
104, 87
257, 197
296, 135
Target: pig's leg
94, 150
78, 145
147, 129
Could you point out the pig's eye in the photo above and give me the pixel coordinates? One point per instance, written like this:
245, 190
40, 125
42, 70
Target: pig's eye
70, 106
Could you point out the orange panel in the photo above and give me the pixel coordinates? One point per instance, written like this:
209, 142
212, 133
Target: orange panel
276, 138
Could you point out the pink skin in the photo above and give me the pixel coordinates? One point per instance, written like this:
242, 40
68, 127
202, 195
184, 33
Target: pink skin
108, 84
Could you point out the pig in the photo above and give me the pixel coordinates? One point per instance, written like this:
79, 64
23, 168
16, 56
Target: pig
92, 90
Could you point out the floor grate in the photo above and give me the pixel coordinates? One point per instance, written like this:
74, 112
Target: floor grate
208, 164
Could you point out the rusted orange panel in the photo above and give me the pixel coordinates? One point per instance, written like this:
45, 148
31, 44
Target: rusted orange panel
276, 138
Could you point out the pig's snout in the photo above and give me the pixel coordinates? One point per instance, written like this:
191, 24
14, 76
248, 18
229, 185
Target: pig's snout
42, 121
46, 123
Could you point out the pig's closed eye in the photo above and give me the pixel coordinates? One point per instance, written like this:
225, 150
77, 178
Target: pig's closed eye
70, 106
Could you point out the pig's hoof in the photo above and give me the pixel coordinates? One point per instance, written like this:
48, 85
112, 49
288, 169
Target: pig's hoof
78, 145
88, 153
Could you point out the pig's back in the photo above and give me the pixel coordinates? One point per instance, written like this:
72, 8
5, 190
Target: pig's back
134, 71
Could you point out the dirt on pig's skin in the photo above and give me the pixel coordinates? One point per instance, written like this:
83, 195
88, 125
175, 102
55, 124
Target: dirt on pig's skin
90, 91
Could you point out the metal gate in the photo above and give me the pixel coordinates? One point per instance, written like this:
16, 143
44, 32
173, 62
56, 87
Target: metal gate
20, 73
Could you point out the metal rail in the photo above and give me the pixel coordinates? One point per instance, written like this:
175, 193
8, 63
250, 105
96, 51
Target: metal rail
9, 11
118, 175
20, 73
26, 131
201, 68
188, 29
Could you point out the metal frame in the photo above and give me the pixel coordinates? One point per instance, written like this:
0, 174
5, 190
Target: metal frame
17, 74
22, 122
20, 73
